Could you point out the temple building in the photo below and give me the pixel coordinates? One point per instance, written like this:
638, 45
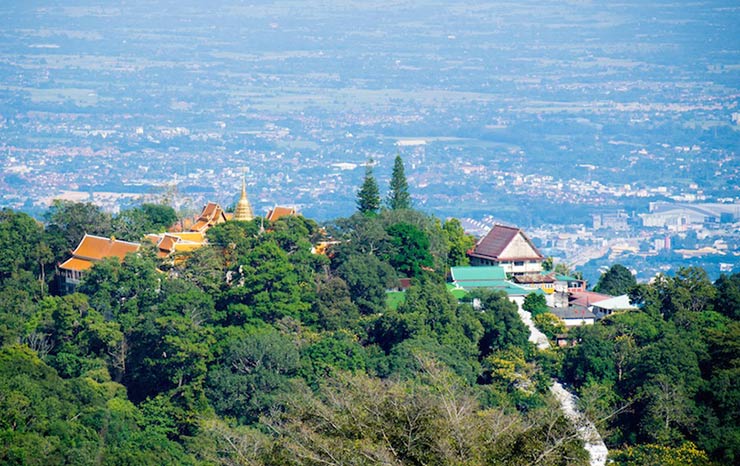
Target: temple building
278, 212
90, 250
509, 248
185, 236
212, 214
170, 243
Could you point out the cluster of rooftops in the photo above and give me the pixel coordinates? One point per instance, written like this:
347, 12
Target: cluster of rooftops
185, 236
507, 260
504, 260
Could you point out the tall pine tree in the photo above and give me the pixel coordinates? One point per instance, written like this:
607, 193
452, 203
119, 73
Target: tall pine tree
368, 198
398, 195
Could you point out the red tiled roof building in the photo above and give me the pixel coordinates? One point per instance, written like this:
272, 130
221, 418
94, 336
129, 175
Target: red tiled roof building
509, 248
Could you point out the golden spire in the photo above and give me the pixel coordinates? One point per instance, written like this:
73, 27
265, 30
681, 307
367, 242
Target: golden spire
243, 211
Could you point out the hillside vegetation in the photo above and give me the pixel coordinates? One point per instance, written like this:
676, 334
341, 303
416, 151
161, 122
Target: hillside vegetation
255, 351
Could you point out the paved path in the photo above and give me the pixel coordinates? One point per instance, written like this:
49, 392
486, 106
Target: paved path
593, 442
535, 336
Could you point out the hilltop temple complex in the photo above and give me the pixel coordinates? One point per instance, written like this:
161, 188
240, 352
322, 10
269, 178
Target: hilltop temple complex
185, 236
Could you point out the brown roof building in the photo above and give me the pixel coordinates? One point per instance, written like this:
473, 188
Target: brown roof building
544, 282
279, 212
212, 214
90, 250
509, 248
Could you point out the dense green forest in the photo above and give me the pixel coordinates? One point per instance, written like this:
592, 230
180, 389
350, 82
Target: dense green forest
255, 351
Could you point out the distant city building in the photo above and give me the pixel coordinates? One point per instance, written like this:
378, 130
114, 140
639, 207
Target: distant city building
678, 217
509, 248
91, 249
616, 221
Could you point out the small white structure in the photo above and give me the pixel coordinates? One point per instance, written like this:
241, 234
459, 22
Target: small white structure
608, 306
574, 316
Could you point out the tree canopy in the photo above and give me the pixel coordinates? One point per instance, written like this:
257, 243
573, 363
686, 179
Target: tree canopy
368, 197
618, 280
254, 350
398, 192
664, 371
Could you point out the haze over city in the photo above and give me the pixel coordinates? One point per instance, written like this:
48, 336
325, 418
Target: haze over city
539, 114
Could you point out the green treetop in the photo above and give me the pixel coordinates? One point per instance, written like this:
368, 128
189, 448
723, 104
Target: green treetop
398, 195
368, 198
616, 281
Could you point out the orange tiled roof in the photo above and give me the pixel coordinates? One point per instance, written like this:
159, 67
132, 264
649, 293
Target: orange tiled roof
183, 224
279, 212
76, 264
176, 242
210, 210
168, 243
194, 236
183, 247
96, 248
212, 214
200, 225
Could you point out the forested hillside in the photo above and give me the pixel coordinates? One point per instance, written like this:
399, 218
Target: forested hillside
253, 350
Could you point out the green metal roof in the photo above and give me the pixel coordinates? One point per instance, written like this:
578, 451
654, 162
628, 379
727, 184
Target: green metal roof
477, 274
565, 278
511, 289
482, 284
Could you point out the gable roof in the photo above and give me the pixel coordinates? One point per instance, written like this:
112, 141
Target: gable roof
488, 277
279, 212
498, 239
176, 242
73, 263
97, 247
212, 214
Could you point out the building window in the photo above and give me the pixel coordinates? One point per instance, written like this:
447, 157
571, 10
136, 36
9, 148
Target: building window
518, 263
